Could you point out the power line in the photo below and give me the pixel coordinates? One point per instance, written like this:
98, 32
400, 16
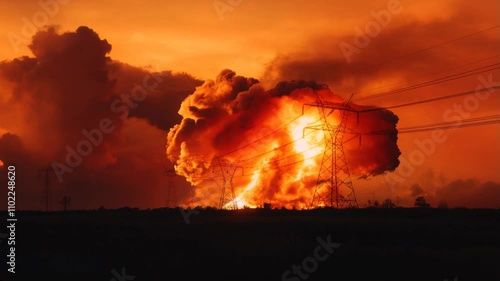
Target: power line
297, 153
260, 139
288, 156
264, 137
427, 127
432, 100
281, 166
434, 46
273, 161
428, 75
402, 130
435, 81
277, 148
470, 122
300, 161
481, 118
478, 121
453, 125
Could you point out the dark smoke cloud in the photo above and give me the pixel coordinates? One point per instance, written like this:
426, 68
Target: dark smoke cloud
14, 153
69, 86
161, 106
470, 193
322, 59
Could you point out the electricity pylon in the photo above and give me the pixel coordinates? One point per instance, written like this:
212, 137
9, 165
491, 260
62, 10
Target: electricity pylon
227, 196
66, 202
171, 198
46, 172
334, 187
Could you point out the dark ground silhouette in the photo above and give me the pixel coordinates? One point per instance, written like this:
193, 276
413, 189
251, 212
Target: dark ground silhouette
376, 244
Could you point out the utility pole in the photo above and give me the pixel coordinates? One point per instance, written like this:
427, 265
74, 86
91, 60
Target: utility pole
46, 172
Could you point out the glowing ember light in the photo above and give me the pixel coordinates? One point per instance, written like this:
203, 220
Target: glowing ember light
1, 164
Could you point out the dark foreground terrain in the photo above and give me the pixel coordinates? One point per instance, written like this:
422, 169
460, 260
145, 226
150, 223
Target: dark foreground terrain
375, 244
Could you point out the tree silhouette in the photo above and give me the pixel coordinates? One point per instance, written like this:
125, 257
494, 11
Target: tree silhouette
388, 204
421, 203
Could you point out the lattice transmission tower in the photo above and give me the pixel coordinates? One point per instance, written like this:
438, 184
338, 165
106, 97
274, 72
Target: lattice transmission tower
66, 202
46, 173
334, 187
227, 196
171, 196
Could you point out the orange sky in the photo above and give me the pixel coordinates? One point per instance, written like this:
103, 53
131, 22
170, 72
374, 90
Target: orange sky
291, 40
179, 35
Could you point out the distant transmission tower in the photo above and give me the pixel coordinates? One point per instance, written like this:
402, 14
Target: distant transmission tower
46, 173
171, 197
227, 197
334, 187
66, 202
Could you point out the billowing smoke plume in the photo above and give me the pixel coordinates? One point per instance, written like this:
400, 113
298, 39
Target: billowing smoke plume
275, 148
71, 85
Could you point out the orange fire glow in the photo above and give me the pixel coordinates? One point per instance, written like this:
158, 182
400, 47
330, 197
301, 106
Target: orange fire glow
267, 145
302, 149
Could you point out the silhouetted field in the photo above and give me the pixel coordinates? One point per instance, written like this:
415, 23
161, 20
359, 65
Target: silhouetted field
376, 244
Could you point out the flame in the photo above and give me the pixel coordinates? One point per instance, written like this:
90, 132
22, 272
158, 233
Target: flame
302, 148
307, 143
1, 164
247, 192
